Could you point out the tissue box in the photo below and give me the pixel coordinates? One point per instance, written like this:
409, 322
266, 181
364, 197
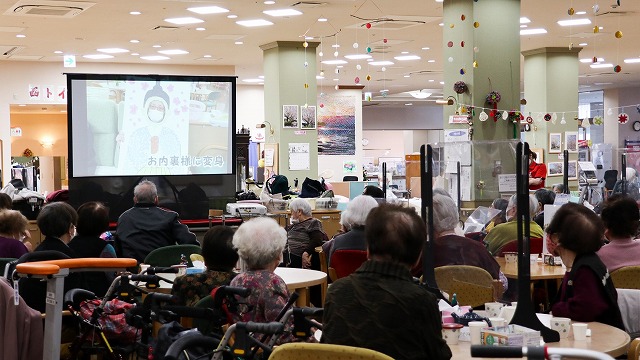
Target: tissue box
510, 335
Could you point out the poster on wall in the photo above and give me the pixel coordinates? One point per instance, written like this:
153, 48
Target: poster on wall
299, 156
349, 166
337, 125
290, 116
308, 117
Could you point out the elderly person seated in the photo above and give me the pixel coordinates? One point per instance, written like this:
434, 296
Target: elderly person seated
220, 258
12, 228
507, 232
544, 197
304, 234
498, 204
357, 211
451, 249
621, 220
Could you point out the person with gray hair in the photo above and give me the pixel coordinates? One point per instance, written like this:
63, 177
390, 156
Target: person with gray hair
506, 232
304, 234
146, 227
260, 243
357, 211
452, 249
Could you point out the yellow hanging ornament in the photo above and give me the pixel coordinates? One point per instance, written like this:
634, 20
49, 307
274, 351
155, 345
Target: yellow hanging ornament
368, 77
476, 24
475, 64
618, 34
596, 29
571, 11
306, 86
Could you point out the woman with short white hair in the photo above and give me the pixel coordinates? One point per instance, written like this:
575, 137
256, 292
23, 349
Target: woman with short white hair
304, 234
358, 209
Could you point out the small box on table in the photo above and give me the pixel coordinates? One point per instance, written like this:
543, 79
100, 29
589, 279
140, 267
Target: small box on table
510, 335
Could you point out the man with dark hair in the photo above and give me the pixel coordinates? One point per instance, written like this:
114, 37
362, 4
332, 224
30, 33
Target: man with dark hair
373, 191
379, 307
146, 227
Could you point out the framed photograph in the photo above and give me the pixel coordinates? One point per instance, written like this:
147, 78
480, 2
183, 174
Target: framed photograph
539, 155
555, 168
308, 117
555, 143
571, 141
290, 116
572, 171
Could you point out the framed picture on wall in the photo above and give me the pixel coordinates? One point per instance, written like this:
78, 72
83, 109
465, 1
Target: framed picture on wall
539, 154
572, 171
308, 117
571, 141
555, 143
290, 116
555, 168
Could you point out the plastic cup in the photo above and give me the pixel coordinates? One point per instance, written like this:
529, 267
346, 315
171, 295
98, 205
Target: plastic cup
580, 331
475, 331
497, 321
493, 308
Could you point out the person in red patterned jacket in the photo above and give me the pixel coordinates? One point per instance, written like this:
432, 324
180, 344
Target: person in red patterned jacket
537, 172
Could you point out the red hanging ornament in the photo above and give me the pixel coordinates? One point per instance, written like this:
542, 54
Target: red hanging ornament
368, 25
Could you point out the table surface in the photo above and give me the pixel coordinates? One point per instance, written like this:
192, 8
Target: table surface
539, 270
604, 338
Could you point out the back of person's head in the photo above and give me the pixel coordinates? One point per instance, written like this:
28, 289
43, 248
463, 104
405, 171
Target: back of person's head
93, 219
145, 192
359, 208
558, 188
217, 249
533, 204
532, 155
395, 233
5, 201
445, 213
610, 177
545, 197
578, 228
373, 191
620, 216
441, 191
631, 174
259, 242
12, 223
56, 218
345, 221
300, 204
500, 204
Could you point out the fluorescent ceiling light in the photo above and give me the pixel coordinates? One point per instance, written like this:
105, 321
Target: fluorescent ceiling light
381, 63
408, 104
253, 81
632, 61
358, 56
154, 57
204, 10
21, 36
206, 56
334, 62
439, 0
57, 52
135, 54
269, 2
580, 12
184, 20
232, 16
156, 46
524, 20
173, 52
407, 76
533, 31
335, 46
419, 94
425, 48
583, 44
590, 60
254, 23
113, 51
323, 20
318, 77
308, 37
601, 66
282, 12
524, 26
261, 77
135, 13
134, 41
441, 82
407, 57
336, 79
431, 61
200, 29
572, 22
98, 56
431, 80
238, 43
404, 52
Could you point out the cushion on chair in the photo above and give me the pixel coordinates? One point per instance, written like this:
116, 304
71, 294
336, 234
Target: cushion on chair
171, 255
470, 294
535, 246
344, 262
627, 277
309, 351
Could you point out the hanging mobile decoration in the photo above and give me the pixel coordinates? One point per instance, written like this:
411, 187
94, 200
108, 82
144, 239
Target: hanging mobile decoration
368, 25
563, 121
529, 119
356, 80
547, 117
483, 116
617, 68
505, 115
623, 118
462, 17
597, 120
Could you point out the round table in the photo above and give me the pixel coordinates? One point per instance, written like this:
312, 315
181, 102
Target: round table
299, 280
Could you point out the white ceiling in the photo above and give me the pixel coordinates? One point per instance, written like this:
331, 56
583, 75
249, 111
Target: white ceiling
108, 24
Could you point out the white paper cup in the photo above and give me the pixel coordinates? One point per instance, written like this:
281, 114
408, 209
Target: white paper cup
511, 257
507, 313
497, 321
451, 333
475, 329
561, 325
533, 258
493, 308
580, 331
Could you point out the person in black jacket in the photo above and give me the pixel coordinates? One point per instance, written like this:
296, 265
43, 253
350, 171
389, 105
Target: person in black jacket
146, 227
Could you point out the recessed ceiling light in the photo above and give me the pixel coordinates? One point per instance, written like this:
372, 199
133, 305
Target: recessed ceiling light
207, 56
441, 24
155, 57
282, 12
358, 56
173, 52
238, 43
536, 31
157, 46
583, 44
113, 50
322, 19
431, 80
572, 22
441, 82
334, 62
135, 54
205, 10
21, 36
232, 16
184, 20
632, 61
254, 23
57, 52
253, 81
431, 61
134, 41
335, 46
98, 56
524, 26
601, 66
269, 2
407, 57
404, 52
408, 104
308, 37
580, 12
200, 29
135, 13
524, 20
590, 60
426, 48
381, 63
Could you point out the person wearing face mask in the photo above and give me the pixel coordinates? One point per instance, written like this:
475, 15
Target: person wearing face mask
587, 293
304, 234
57, 222
504, 233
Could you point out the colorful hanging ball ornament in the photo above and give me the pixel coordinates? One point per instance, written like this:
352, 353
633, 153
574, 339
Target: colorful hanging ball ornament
462, 71
617, 68
623, 118
335, 54
594, 60
571, 11
493, 98
462, 17
385, 40
356, 80
451, 26
368, 25
461, 43
450, 59
476, 24
355, 45
460, 87
450, 44
596, 8
547, 117
368, 49
384, 68
321, 105
596, 29
305, 44
618, 34
321, 54
306, 86
337, 87
475, 64
368, 77
358, 67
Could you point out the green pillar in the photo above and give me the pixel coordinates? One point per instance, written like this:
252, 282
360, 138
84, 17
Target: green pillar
288, 66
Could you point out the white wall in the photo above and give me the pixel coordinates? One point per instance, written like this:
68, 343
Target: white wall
402, 117
249, 106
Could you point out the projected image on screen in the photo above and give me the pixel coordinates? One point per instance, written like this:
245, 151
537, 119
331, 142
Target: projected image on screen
151, 127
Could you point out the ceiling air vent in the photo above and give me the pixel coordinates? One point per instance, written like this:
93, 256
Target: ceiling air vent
308, 4
48, 9
165, 28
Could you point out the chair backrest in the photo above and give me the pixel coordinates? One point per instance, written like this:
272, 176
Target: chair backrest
349, 178
344, 262
171, 255
470, 294
633, 353
470, 283
310, 351
535, 246
627, 277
